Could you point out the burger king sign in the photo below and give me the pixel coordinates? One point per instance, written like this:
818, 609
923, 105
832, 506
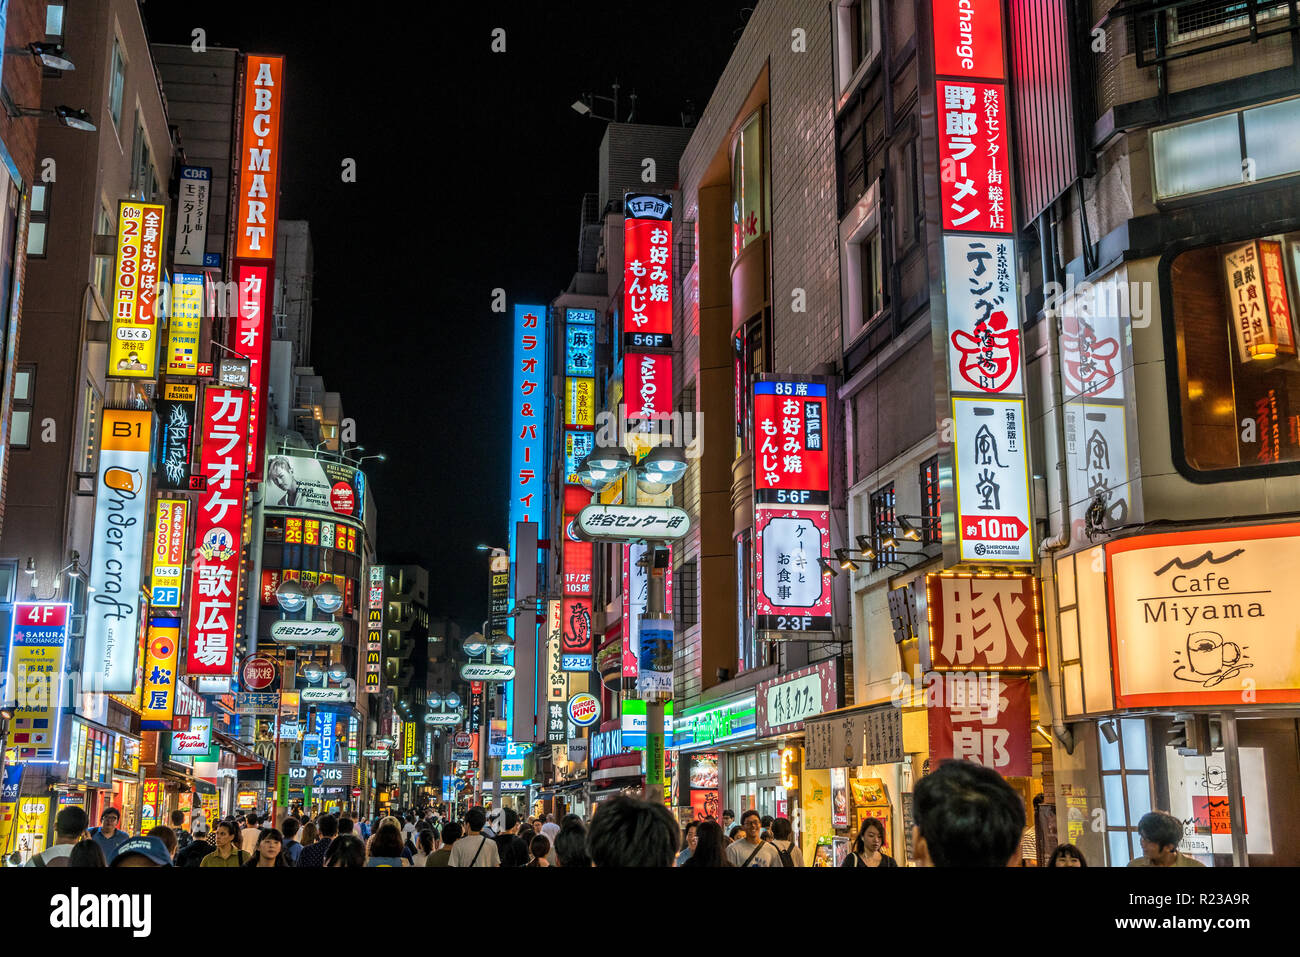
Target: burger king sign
584, 709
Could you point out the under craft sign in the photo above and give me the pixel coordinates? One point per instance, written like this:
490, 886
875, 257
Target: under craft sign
1205, 618
631, 523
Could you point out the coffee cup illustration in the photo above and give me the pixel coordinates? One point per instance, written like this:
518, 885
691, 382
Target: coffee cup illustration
1210, 659
122, 480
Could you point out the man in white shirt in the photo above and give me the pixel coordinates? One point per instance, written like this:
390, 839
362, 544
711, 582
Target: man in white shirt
69, 825
475, 849
248, 836
551, 830
751, 850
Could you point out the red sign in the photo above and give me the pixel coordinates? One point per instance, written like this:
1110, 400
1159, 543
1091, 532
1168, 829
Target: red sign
1003, 528
791, 447
983, 623
576, 627
250, 337
259, 161
648, 277
648, 385
270, 582
577, 554
342, 498
258, 673
462, 740
974, 170
982, 718
968, 39
219, 526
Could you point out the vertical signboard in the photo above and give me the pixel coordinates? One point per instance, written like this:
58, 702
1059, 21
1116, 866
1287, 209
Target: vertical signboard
117, 552
259, 164
38, 638
374, 627
647, 271
195, 193
176, 410
792, 597
171, 522
133, 346
218, 534
525, 651
184, 323
250, 337
636, 594
158, 694
648, 386
986, 512
557, 683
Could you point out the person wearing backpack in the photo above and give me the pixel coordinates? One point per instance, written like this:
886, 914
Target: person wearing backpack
69, 826
475, 849
228, 852
749, 849
783, 841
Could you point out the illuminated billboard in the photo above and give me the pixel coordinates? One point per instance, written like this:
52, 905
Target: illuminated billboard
133, 340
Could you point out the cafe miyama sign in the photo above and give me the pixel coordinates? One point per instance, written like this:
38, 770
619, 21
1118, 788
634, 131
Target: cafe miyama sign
1205, 618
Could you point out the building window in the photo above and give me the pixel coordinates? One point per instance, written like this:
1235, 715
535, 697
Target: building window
1235, 149
143, 180
1125, 786
857, 32
21, 424
1194, 21
1234, 325
117, 85
862, 272
872, 286
882, 524
104, 264
907, 197
54, 21
38, 223
686, 583
750, 359
930, 501
749, 199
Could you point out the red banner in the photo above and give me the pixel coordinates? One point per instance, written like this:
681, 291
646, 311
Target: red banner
974, 170
982, 718
251, 337
576, 624
648, 385
577, 554
270, 582
984, 623
219, 526
968, 39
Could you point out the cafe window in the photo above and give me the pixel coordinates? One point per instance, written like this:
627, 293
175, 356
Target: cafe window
749, 199
1238, 372
1125, 785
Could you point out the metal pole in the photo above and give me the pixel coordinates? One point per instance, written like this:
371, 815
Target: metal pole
655, 703
1236, 807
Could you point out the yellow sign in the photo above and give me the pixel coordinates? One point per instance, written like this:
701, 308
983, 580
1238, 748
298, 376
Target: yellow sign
183, 324
133, 348
171, 521
580, 402
180, 392
159, 687
23, 826
408, 742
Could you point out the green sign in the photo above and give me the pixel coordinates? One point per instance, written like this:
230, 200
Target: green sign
706, 725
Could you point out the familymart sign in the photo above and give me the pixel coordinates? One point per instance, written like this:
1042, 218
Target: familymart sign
714, 724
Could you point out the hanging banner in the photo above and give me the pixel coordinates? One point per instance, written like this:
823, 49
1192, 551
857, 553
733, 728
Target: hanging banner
176, 410
983, 315
171, 523
218, 535
34, 688
557, 680
195, 188
158, 697
654, 657
992, 480
985, 719
647, 271
577, 446
259, 163
133, 343
251, 337
117, 552
636, 595
792, 461
374, 628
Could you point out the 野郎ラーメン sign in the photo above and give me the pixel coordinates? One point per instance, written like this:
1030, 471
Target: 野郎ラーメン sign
1203, 618
259, 160
171, 525
35, 683
982, 623
121, 527
784, 703
647, 271
133, 346
992, 480
631, 523
983, 718
195, 190
218, 534
158, 695
973, 144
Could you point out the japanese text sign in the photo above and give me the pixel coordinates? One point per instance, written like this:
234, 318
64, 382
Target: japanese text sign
785, 702
648, 386
528, 411
1261, 311
976, 180
195, 190
158, 694
35, 683
791, 594
133, 348
176, 410
983, 718
983, 315
983, 622
992, 480
251, 337
184, 323
790, 442
171, 523
647, 271
259, 162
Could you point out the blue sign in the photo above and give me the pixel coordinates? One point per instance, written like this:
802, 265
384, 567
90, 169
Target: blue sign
212, 260
580, 350
575, 663
585, 317
13, 782
577, 446
459, 784
655, 659
325, 728
310, 750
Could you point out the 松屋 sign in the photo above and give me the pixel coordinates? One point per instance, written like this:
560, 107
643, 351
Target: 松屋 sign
158, 696
259, 161
791, 509
121, 499
982, 623
1203, 618
981, 400
133, 346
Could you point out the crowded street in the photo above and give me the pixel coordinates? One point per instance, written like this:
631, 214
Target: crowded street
896, 468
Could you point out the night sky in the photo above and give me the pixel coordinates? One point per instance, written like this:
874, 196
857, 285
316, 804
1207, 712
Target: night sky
470, 172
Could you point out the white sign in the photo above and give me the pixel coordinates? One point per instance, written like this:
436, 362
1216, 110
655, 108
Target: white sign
993, 514
473, 672
196, 740
631, 523
1092, 337
512, 767
375, 753
1096, 454
794, 700
325, 694
577, 751
440, 719
784, 536
307, 632
192, 215
1198, 796
1206, 617
983, 315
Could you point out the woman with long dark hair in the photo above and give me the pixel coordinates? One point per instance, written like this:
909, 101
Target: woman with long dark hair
708, 847
386, 847
270, 843
346, 850
866, 850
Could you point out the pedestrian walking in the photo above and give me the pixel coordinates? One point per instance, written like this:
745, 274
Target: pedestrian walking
426, 839
571, 843
866, 850
688, 843
386, 848
511, 848
269, 851
750, 850
1159, 833
292, 847
168, 837
475, 849
313, 854
783, 841
86, 854
1067, 855
550, 830
227, 853
451, 832
966, 815
1029, 838
107, 835
183, 838
628, 832
710, 851
538, 848
346, 850
69, 825
250, 834
142, 852
199, 848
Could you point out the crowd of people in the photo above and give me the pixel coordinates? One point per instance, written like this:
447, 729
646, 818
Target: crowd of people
965, 816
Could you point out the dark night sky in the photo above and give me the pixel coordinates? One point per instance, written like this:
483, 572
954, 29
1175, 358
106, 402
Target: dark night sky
470, 171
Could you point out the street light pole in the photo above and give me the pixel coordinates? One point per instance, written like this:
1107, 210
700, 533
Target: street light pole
655, 702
